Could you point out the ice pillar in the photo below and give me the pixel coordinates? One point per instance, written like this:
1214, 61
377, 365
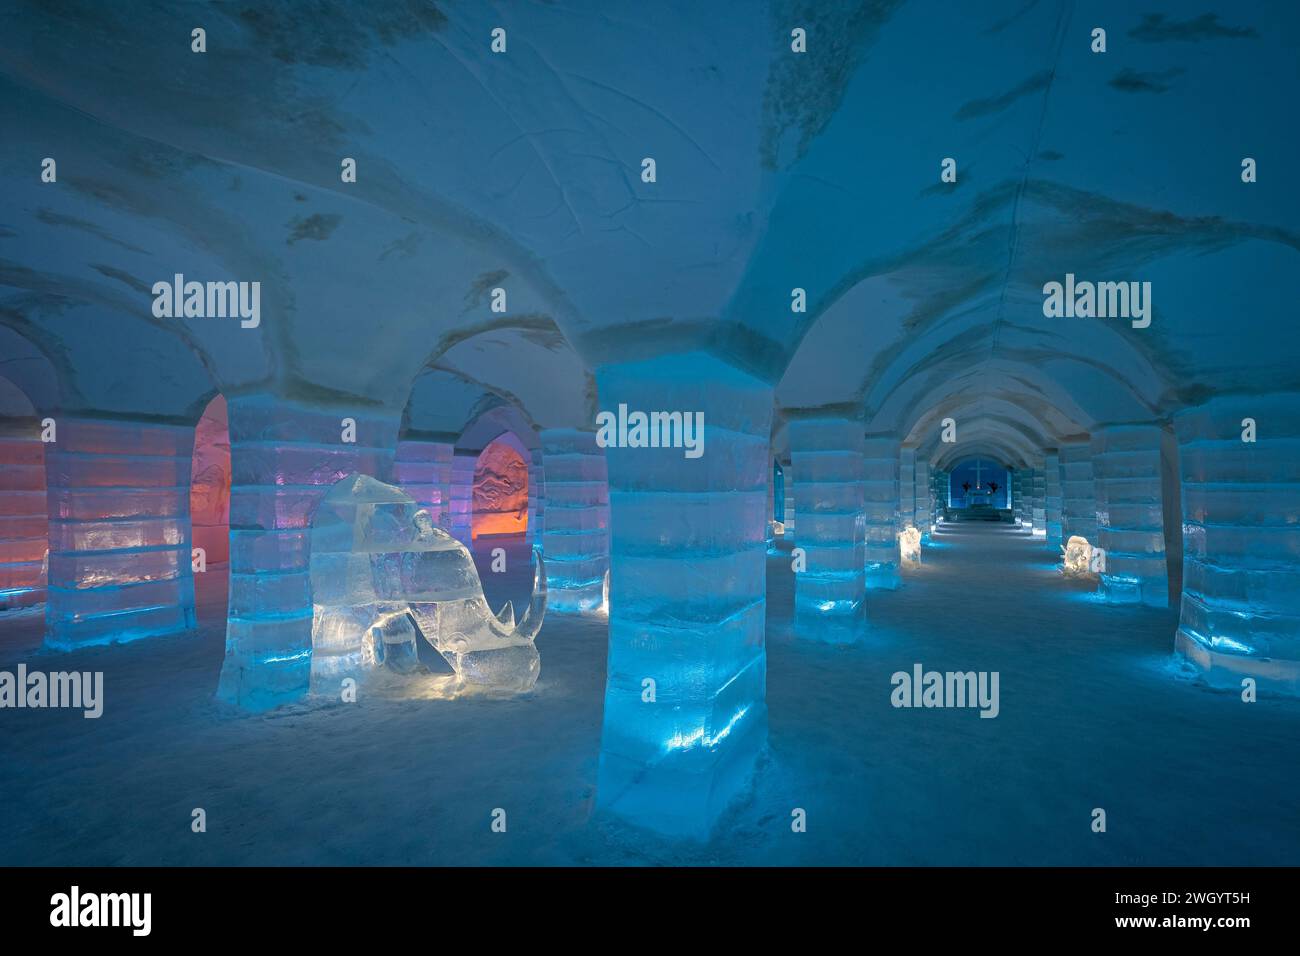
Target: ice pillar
284, 459
829, 591
906, 488
576, 535
1130, 522
1018, 496
423, 470
1078, 502
685, 711
536, 498
460, 513
788, 478
924, 499
23, 519
119, 532
1038, 498
880, 496
1240, 613
1052, 498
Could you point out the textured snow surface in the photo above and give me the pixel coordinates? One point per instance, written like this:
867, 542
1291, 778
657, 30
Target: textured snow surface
1095, 712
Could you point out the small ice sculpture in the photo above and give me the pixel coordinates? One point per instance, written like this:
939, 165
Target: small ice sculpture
909, 547
382, 574
1076, 557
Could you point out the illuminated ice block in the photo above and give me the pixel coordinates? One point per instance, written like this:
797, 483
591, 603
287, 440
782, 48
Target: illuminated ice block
1078, 500
880, 500
685, 711
1052, 499
830, 590
576, 537
285, 457
119, 532
1130, 524
1240, 609
23, 518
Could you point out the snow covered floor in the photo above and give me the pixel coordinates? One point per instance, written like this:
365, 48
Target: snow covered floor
1095, 712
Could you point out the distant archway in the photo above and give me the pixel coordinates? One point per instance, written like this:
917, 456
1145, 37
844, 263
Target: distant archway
500, 494
979, 481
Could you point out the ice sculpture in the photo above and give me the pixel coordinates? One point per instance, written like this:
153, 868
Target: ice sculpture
383, 574
1076, 557
909, 547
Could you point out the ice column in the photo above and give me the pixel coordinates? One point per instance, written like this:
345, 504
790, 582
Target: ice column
423, 471
285, 456
1039, 500
769, 533
829, 591
685, 711
461, 510
880, 494
536, 498
924, 499
23, 519
1240, 614
576, 536
788, 537
1052, 498
1130, 521
1078, 502
906, 488
119, 532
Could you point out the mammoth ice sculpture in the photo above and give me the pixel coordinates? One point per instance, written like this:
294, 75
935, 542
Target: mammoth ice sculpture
382, 574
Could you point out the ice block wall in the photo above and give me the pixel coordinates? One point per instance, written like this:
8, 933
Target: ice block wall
685, 699
1130, 523
1017, 478
1240, 611
769, 532
423, 470
906, 488
880, 497
1078, 502
924, 499
788, 469
576, 536
285, 456
460, 512
939, 480
210, 485
119, 532
829, 592
1052, 498
23, 518
1038, 498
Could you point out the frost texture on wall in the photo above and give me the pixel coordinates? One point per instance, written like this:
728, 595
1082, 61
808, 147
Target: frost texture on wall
500, 493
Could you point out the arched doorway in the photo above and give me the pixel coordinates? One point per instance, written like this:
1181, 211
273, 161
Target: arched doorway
210, 501
500, 492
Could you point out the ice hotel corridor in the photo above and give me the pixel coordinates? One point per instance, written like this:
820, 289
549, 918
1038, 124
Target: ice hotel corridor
602, 432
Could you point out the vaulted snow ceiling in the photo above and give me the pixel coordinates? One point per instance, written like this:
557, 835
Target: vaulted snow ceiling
775, 171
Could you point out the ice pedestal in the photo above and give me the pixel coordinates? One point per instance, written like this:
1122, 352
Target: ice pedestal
1052, 499
576, 537
1130, 521
1240, 612
423, 470
119, 532
685, 711
880, 496
829, 592
924, 499
1038, 498
285, 456
1078, 501
23, 519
